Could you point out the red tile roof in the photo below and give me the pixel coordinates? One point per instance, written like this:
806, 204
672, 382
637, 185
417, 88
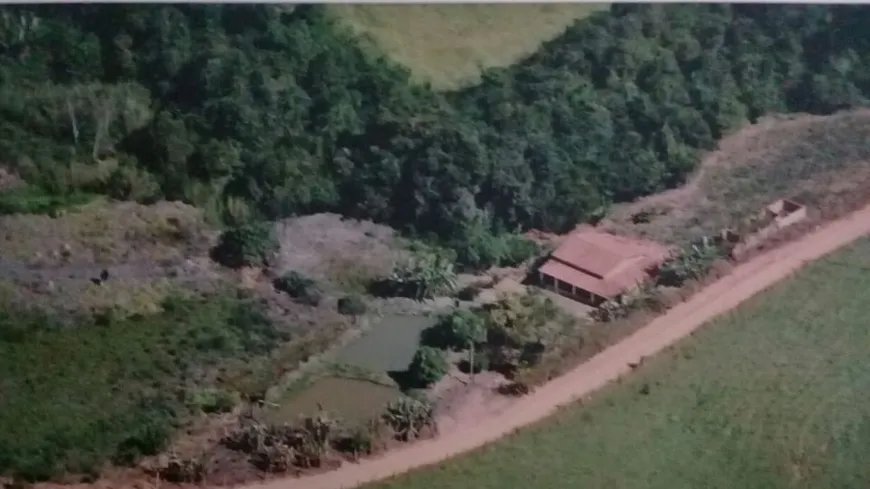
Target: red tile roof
603, 263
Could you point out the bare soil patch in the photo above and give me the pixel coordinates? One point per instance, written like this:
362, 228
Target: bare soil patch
344, 252
464, 401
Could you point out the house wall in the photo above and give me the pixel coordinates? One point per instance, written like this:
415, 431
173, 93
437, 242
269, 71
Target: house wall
567, 290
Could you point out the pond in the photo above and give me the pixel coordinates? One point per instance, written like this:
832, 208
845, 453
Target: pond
389, 345
352, 400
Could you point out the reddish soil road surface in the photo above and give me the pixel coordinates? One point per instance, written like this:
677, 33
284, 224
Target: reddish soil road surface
744, 281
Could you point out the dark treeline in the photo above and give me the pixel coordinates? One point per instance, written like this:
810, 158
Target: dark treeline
267, 111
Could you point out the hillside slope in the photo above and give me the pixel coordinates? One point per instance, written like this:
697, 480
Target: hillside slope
265, 112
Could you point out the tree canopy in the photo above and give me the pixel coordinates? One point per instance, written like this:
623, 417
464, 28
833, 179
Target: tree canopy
265, 111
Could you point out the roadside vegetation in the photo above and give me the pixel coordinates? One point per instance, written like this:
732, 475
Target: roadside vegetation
769, 396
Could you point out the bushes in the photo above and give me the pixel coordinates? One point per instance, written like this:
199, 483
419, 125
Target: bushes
247, 245
479, 249
456, 331
105, 374
408, 417
428, 366
426, 274
212, 400
299, 287
314, 440
351, 305
691, 263
34, 200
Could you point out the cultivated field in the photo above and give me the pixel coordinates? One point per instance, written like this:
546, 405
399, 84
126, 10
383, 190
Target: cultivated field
772, 395
448, 44
822, 162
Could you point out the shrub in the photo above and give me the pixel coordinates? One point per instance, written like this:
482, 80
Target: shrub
183, 470
469, 293
149, 438
351, 305
299, 287
518, 249
34, 200
426, 274
358, 441
212, 400
131, 183
456, 331
691, 263
247, 245
407, 417
428, 366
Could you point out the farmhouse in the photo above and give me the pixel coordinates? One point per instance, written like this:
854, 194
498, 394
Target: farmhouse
592, 266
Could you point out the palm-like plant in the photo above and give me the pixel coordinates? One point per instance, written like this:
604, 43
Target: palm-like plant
424, 275
407, 417
691, 263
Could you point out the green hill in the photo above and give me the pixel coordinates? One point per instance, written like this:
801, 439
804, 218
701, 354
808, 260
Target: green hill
448, 44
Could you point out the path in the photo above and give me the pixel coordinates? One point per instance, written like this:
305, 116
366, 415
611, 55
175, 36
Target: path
745, 281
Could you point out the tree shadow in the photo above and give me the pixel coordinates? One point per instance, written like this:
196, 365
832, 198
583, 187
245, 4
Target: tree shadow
405, 380
437, 336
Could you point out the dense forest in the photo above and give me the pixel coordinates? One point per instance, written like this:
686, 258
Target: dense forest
269, 111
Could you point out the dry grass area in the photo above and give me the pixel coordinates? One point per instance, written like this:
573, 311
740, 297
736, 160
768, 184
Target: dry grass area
822, 162
447, 45
148, 252
106, 233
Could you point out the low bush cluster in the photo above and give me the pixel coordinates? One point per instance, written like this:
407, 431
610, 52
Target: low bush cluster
249, 245
351, 305
428, 366
693, 262
427, 273
299, 287
316, 440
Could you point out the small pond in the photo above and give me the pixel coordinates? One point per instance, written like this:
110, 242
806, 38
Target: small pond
389, 345
351, 399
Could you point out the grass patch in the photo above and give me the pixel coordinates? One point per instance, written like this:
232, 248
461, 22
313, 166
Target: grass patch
30, 199
771, 396
447, 45
75, 397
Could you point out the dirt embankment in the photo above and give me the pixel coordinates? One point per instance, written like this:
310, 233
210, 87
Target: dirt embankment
745, 281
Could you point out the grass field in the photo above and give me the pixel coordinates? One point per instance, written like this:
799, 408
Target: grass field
773, 395
448, 44
74, 397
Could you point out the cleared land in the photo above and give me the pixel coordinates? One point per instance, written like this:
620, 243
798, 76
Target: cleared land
822, 162
812, 330
447, 45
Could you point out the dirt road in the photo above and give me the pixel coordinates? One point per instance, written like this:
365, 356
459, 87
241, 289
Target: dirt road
745, 281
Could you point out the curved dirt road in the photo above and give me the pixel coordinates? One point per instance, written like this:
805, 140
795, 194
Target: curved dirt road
744, 281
